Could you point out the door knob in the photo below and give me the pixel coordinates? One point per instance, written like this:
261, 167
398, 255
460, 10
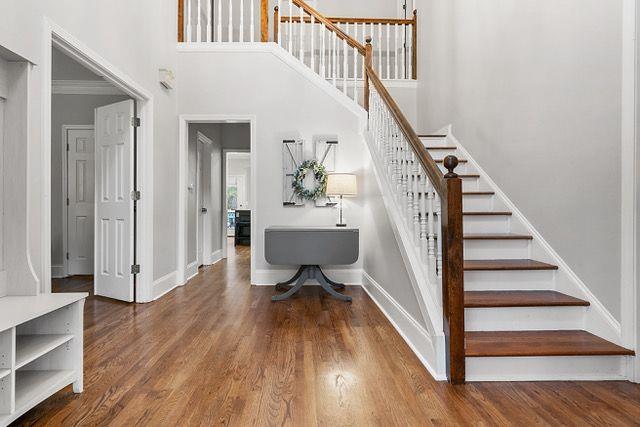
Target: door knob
203, 210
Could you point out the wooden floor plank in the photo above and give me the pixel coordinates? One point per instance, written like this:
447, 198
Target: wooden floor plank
218, 351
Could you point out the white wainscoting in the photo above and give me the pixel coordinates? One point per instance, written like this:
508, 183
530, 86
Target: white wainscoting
430, 350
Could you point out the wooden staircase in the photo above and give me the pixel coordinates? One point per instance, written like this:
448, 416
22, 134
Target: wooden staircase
504, 287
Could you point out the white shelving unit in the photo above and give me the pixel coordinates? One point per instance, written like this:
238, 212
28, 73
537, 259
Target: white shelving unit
41, 339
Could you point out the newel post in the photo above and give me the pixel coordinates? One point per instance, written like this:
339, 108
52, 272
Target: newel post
414, 47
264, 20
368, 62
453, 274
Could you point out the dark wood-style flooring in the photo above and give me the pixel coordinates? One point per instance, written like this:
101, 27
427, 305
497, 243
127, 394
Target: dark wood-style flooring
217, 351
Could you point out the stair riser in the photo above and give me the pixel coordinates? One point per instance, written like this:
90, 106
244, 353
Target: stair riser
471, 184
496, 249
441, 154
477, 203
486, 224
523, 318
508, 280
545, 368
435, 142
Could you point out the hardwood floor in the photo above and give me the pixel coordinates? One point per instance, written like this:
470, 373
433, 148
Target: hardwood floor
218, 351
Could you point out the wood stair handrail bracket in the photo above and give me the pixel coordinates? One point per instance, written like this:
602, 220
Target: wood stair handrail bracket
449, 187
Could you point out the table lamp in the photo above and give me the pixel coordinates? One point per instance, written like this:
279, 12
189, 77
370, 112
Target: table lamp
342, 185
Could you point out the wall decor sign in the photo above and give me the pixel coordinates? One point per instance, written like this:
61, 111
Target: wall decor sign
305, 177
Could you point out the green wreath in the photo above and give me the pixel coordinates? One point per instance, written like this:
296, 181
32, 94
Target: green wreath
320, 175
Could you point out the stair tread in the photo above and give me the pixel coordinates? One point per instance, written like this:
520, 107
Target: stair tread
441, 148
493, 299
487, 213
497, 236
478, 193
539, 343
473, 175
432, 136
506, 264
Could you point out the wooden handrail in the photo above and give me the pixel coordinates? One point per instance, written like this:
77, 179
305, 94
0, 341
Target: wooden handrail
330, 26
343, 20
449, 187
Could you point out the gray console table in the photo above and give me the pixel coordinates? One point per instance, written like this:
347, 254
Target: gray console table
311, 247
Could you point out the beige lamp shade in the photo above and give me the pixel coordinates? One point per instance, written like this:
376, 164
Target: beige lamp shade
342, 184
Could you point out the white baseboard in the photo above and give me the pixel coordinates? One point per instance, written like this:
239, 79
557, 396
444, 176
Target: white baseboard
165, 284
57, 272
424, 346
213, 257
191, 271
350, 277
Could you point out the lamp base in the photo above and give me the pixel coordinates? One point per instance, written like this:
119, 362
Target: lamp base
341, 225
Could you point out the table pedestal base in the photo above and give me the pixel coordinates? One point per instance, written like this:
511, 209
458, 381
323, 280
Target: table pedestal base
305, 273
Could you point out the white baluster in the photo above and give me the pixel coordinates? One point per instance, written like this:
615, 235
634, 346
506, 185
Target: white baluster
290, 27
404, 52
230, 30
301, 34
323, 71
334, 48
279, 23
388, 31
313, 44
424, 233
395, 52
241, 21
198, 23
189, 27
431, 223
439, 234
410, 195
416, 200
209, 6
252, 27
345, 65
219, 39
355, 74
380, 50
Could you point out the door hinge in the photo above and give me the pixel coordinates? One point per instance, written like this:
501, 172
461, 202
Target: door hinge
135, 269
135, 122
67, 255
67, 146
135, 195
67, 201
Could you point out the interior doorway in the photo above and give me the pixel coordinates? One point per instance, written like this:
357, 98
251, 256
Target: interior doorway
93, 188
208, 208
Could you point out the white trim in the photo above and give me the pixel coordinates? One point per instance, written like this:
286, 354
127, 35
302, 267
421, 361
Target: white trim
412, 332
164, 285
191, 270
65, 194
629, 190
348, 276
54, 35
287, 59
183, 141
84, 87
58, 271
214, 257
204, 138
598, 319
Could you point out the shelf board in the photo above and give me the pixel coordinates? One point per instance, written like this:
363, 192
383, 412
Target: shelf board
4, 372
31, 347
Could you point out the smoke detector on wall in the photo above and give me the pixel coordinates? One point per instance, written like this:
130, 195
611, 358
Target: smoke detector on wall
166, 78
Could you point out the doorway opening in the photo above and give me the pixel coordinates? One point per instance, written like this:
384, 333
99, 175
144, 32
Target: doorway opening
216, 197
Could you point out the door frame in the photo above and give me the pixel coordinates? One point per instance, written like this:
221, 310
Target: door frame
183, 169
65, 193
202, 234
225, 207
56, 36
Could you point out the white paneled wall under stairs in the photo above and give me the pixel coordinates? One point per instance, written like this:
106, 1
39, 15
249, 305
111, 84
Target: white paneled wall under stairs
527, 315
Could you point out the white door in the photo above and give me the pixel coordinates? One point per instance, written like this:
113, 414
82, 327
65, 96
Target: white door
200, 209
80, 200
114, 237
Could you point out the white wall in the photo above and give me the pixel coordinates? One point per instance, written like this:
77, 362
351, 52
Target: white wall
67, 110
138, 38
533, 90
302, 110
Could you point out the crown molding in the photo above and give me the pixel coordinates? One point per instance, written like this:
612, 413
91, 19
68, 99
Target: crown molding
84, 87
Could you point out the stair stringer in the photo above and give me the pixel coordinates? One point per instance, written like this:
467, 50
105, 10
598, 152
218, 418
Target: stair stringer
428, 292
596, 318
